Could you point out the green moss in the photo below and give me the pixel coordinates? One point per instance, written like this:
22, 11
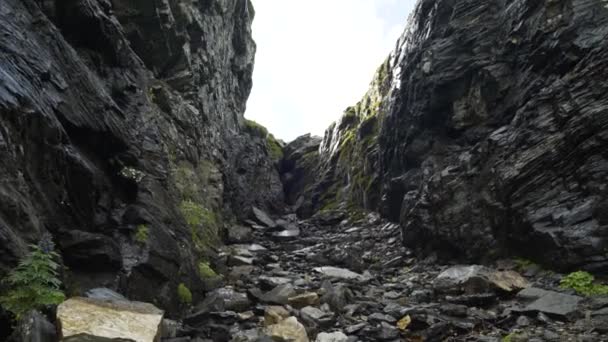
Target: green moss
508, 338
141, 234
274, 148
205, 271
583, 283
203, 224
255, 129
183, 294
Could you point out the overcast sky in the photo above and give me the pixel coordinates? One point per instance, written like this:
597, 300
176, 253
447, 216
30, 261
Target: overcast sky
317, 57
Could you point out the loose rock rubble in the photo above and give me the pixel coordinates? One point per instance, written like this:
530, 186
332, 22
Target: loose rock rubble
354, 281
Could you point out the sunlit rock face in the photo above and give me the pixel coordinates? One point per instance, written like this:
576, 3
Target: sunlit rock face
484, 132
89, 319
122, 133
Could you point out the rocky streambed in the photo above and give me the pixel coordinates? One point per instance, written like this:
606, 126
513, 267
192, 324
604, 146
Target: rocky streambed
332, 278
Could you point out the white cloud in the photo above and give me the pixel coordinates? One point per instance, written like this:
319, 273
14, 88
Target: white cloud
317, 57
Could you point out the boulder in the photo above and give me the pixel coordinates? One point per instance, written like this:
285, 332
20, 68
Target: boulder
550, 302
339, 273
478, 279
98, 319
262, 218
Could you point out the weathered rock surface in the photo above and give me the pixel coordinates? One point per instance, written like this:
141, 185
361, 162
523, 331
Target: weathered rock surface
107, 319
122, 134
484, 133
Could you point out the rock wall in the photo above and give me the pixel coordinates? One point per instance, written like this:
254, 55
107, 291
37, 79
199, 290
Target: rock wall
122, 134
484, 133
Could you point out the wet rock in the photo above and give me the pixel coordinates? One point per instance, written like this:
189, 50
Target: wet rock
262, 218
339, 273
289, 330
550, 302
387, 332
237, 260
337, 336
478, 279
337, 296
316, 318
35, 327
286, 235
379, 317
104, 293
233, 300
109, 319
279, 295
239, 234
272, 282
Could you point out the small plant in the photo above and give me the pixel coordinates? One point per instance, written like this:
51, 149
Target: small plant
184, 294
205, 271
583, 283
255, 129
274, 148
508, 338
34, 283
203, 224
141, 234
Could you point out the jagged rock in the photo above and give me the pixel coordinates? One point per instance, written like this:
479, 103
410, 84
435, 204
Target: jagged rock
337, 297
262, 218
478, 279
278, 295
155, 116
109, 319
286, 235
337, 336
239, 234
35, 327
550, 302
442, 140
104, 294
289, 329
268, 283
316, 318
339, 273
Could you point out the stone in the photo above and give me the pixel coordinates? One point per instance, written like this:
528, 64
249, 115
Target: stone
109, 319
274, 315
237, 260
35, 327
104, 293
233, 300
262, 218
338, 297
286, 235
337, 336
314, 317
380, 317
289, 329
304, 299
550, 302
478, 279
272, 282
278, 295
339, 273
239, 234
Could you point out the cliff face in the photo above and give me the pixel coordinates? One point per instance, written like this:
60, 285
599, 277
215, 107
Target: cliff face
122, 134
485, 132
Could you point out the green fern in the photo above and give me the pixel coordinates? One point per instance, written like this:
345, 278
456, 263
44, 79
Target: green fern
33, 284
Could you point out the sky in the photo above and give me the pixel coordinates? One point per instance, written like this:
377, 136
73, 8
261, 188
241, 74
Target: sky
317, 57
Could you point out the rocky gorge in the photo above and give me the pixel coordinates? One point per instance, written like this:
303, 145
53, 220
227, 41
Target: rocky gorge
449, 204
